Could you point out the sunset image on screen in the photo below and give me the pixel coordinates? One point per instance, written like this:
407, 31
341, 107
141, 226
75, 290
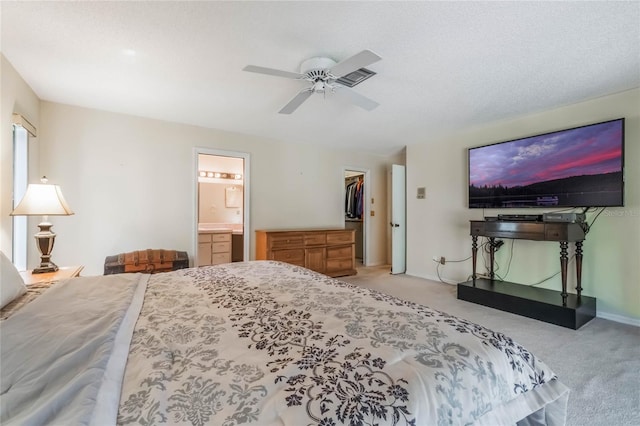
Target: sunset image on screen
549, 165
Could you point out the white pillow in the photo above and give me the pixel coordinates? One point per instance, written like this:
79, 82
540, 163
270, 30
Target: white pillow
11, 283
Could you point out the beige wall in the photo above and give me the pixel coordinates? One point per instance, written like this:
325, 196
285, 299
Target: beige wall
130, 182
439, 224
17, 97
213, 206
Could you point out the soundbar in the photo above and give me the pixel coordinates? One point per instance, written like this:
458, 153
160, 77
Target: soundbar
564, 217
545, 217
521, 217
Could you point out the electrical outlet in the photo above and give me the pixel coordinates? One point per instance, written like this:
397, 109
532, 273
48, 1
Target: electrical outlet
442, 260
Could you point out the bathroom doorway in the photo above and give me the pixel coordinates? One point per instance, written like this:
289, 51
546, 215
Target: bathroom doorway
222, 229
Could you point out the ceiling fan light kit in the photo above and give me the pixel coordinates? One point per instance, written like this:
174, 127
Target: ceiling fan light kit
327, 75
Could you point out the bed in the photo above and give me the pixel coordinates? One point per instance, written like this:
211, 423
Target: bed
260, 343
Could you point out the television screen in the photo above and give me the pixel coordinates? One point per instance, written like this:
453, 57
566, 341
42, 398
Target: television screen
579, 167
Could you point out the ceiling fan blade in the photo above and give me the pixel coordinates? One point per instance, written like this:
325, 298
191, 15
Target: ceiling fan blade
272, 71
296, 101
356, 98
357, 61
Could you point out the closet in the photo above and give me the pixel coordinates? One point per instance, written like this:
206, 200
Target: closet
354, 209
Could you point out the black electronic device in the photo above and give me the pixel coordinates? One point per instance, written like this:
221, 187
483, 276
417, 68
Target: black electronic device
520, 217
564, 217
577, 167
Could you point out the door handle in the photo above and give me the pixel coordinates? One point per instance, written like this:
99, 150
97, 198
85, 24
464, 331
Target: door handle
395, 225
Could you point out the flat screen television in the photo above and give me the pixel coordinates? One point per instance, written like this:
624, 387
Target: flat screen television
578, 167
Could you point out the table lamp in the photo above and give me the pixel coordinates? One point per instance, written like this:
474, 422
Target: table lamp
43, 200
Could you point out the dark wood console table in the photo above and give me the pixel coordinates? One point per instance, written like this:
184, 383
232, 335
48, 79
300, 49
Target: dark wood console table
562, 308
537, 231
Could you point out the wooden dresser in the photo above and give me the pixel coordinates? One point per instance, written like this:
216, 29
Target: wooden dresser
329, 251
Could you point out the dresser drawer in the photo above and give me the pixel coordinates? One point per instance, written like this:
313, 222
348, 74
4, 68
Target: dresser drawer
340, 252
218, 258
295, 256
315, 239
335, 265
340, 237
286, 241
221, 247
216, 238
204, 238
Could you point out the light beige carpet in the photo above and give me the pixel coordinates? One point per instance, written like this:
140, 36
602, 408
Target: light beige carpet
600, 362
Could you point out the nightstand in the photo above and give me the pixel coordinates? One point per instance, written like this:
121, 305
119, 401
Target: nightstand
51, 277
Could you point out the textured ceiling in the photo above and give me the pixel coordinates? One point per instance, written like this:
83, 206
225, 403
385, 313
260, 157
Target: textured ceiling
446, 65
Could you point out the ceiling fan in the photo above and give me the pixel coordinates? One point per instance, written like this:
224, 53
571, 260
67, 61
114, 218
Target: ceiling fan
325, 75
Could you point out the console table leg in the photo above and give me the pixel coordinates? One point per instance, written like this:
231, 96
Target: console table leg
579, 267
492, 250
474, 255
563, 270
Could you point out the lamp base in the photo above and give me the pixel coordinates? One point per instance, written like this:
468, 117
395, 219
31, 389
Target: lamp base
45, 267
45, 240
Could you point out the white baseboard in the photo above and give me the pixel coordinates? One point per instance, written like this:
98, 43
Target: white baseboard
436, 279
376, 264
618, 318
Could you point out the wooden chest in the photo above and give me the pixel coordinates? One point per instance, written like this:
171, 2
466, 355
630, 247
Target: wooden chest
329, 251
148, 261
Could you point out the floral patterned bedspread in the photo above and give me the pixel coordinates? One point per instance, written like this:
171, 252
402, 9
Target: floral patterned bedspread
267, 343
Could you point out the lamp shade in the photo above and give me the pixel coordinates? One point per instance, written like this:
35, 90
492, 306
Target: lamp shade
42, 200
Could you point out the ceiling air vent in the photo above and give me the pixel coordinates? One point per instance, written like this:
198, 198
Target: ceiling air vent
356, 77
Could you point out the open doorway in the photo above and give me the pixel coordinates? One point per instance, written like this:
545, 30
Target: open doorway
221, 207
356, 209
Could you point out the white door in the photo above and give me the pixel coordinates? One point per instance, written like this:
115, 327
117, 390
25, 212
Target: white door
398, 220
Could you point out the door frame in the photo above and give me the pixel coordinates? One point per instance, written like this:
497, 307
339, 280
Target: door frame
365, 208
246, 210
